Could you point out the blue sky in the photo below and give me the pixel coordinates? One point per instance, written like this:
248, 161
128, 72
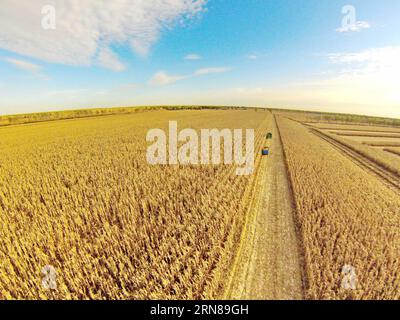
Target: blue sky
282, 53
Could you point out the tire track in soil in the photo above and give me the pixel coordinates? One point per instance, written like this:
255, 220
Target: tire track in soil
390, 179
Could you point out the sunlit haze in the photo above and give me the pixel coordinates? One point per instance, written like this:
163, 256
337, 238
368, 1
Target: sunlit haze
287, 53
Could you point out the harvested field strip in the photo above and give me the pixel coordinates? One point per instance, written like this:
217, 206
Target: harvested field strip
346, 217
389, 178
382, 144
334, 130
388, 122
282, 169
237, 273
366, 128
372, 139
269, 264
376, 154
235, 288
394, 151
366, 134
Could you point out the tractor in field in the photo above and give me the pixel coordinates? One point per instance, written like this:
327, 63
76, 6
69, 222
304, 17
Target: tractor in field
269, 135
265, 151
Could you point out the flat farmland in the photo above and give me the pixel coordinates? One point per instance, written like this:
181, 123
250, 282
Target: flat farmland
347, 216
80, 196
317, 218
378, 142
374, 139
393, 150
370, 141
353, 127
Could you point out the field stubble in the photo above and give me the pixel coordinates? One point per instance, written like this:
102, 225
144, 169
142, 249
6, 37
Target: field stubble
269, 262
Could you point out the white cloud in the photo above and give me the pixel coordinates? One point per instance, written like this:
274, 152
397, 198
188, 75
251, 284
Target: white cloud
108, 59
192, 56
252, 57
24, 65
162, 78
86, 27
34, 70
356, 27
382, 64
384, 56
205, 71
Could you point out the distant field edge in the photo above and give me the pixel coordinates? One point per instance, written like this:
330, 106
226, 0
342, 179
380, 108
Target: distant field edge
340, 118
17, 119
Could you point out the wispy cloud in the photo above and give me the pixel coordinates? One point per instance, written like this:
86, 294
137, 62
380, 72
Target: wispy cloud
87, 29
371, 61
205, 71
108, 59
192, 56
31, 68
256, 55
356, 27
163, 78
24, 65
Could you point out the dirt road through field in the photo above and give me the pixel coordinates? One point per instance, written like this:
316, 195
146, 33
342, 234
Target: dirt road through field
269, 263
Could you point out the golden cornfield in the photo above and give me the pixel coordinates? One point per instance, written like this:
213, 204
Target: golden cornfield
345, 217
79, 195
